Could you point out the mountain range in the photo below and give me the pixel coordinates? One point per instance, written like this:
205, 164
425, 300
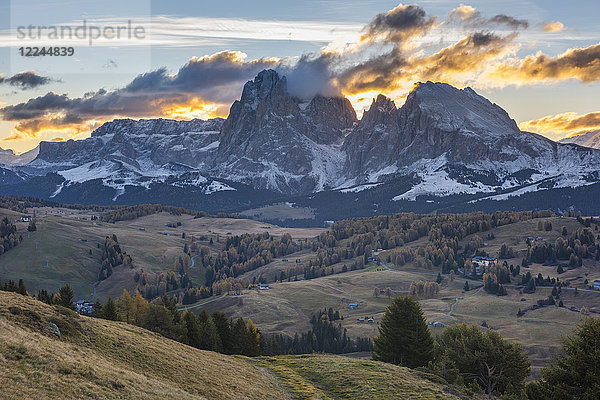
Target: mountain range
444, 149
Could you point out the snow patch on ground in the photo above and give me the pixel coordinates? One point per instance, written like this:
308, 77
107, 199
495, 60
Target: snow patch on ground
216, 186
360, 188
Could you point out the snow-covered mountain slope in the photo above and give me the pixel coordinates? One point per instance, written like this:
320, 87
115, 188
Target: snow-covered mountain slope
9, 158
456, 141
588, 139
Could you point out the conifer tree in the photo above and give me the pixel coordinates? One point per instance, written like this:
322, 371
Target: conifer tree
223, 328
253, 339
403, 335
193, 332
575, 372
21, 289
109, 310
65, 296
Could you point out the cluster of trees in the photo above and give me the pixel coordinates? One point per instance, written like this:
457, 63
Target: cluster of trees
64, 296
192, 295
158, 284
244, 253
312, 271
481, 360
530, 283
362, 236
444, 232
8, 235
134, 212
326, 336
506, 252
395, 230
577, 246
544, 226
388, 292
217, 333
424, 290
22, 203
575, 372
495, 277
11, 286
113, 256
208, 332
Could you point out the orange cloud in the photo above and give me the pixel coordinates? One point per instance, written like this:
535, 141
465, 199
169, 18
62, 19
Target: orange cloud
195, 108
582, 64
553, 26
563, 125
463, 12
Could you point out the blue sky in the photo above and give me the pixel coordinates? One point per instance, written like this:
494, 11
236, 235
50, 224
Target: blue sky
277, 33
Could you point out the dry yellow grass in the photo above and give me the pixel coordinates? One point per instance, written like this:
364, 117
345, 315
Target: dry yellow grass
106, 360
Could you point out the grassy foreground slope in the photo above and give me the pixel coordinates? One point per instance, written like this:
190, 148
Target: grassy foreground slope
336, 377
102, 359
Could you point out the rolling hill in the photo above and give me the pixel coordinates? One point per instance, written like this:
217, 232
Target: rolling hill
99, 359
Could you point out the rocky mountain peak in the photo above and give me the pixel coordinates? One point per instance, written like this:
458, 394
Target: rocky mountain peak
329, 118
281, 142
382, 110
454, 109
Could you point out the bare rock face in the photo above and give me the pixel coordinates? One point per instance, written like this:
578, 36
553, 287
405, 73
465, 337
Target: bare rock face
154, 141
373, 141
329, 119
275, 141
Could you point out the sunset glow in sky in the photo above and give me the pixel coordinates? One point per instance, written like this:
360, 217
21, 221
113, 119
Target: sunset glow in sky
539, 60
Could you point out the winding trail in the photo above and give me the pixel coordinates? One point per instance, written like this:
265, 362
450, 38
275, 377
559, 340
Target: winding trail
455, 303
181, 308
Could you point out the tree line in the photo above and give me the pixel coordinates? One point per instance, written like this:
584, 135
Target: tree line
326, 336
8, 235
127, 213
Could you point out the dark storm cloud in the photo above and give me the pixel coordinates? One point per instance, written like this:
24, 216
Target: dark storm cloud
507, 20
26, 80
398, 24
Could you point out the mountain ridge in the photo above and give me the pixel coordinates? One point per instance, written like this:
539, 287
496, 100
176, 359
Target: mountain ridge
587, 139
444, 140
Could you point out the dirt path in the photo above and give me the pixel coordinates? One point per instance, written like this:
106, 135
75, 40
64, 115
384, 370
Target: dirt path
455, 303
200, 304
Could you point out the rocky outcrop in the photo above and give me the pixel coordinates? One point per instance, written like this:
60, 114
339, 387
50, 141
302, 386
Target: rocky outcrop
275, 141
